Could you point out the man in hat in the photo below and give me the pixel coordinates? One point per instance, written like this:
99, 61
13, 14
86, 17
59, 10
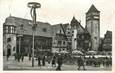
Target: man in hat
81, 62
59, 62
54, 61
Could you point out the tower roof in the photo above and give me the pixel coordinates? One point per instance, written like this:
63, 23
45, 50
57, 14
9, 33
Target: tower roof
93, 9
77, 25
74, 21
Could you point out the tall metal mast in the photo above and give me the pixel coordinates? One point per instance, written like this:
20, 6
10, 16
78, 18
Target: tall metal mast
33, 6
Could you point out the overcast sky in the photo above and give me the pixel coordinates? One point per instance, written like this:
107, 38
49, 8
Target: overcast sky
61, 11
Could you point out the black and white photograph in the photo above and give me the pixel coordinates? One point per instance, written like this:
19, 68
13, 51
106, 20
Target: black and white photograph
57, 35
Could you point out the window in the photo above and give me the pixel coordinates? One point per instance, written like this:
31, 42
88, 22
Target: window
60, 31
11, 29
59, 42
63, 42
14, 30
14, 49
6, 29
44, 30
9, 39
75, 39
95, 38
68, 32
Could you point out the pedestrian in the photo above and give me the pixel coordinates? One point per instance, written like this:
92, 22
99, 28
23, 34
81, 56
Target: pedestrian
39, 61
8, 53
15, 56
29, 57
48, 59
54, 61
43, 61
81, 63
7, 56
110, 61
59, 62
19, 56
22, 57
22, 54
94, 61
30, 53
106, 61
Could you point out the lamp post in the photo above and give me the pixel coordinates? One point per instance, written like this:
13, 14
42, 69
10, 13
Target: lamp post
33, 6
20, 35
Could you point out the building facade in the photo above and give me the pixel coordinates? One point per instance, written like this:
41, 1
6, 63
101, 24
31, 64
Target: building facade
80, 36
107, 41
70, 37
59, 43
17, 39
52, 38
93, 26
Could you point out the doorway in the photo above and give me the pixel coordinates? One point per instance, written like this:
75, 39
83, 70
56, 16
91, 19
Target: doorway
9, 49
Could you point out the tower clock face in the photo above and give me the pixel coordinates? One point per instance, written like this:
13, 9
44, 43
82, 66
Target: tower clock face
96, 17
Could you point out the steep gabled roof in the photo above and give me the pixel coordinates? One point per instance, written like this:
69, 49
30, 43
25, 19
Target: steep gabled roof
110, 32
64, 29
77, 25
81, 29
92, 9
65, 26
74, 21
27, 25
56, 29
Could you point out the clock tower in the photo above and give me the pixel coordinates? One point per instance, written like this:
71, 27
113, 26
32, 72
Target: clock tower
93, 26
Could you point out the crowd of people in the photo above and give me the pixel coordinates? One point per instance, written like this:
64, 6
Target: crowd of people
42, 59
101, 61
57, 60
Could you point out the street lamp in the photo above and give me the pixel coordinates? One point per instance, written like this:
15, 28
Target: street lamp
33, 6
20, 35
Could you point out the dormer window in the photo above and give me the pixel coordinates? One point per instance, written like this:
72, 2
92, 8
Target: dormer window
44, 30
